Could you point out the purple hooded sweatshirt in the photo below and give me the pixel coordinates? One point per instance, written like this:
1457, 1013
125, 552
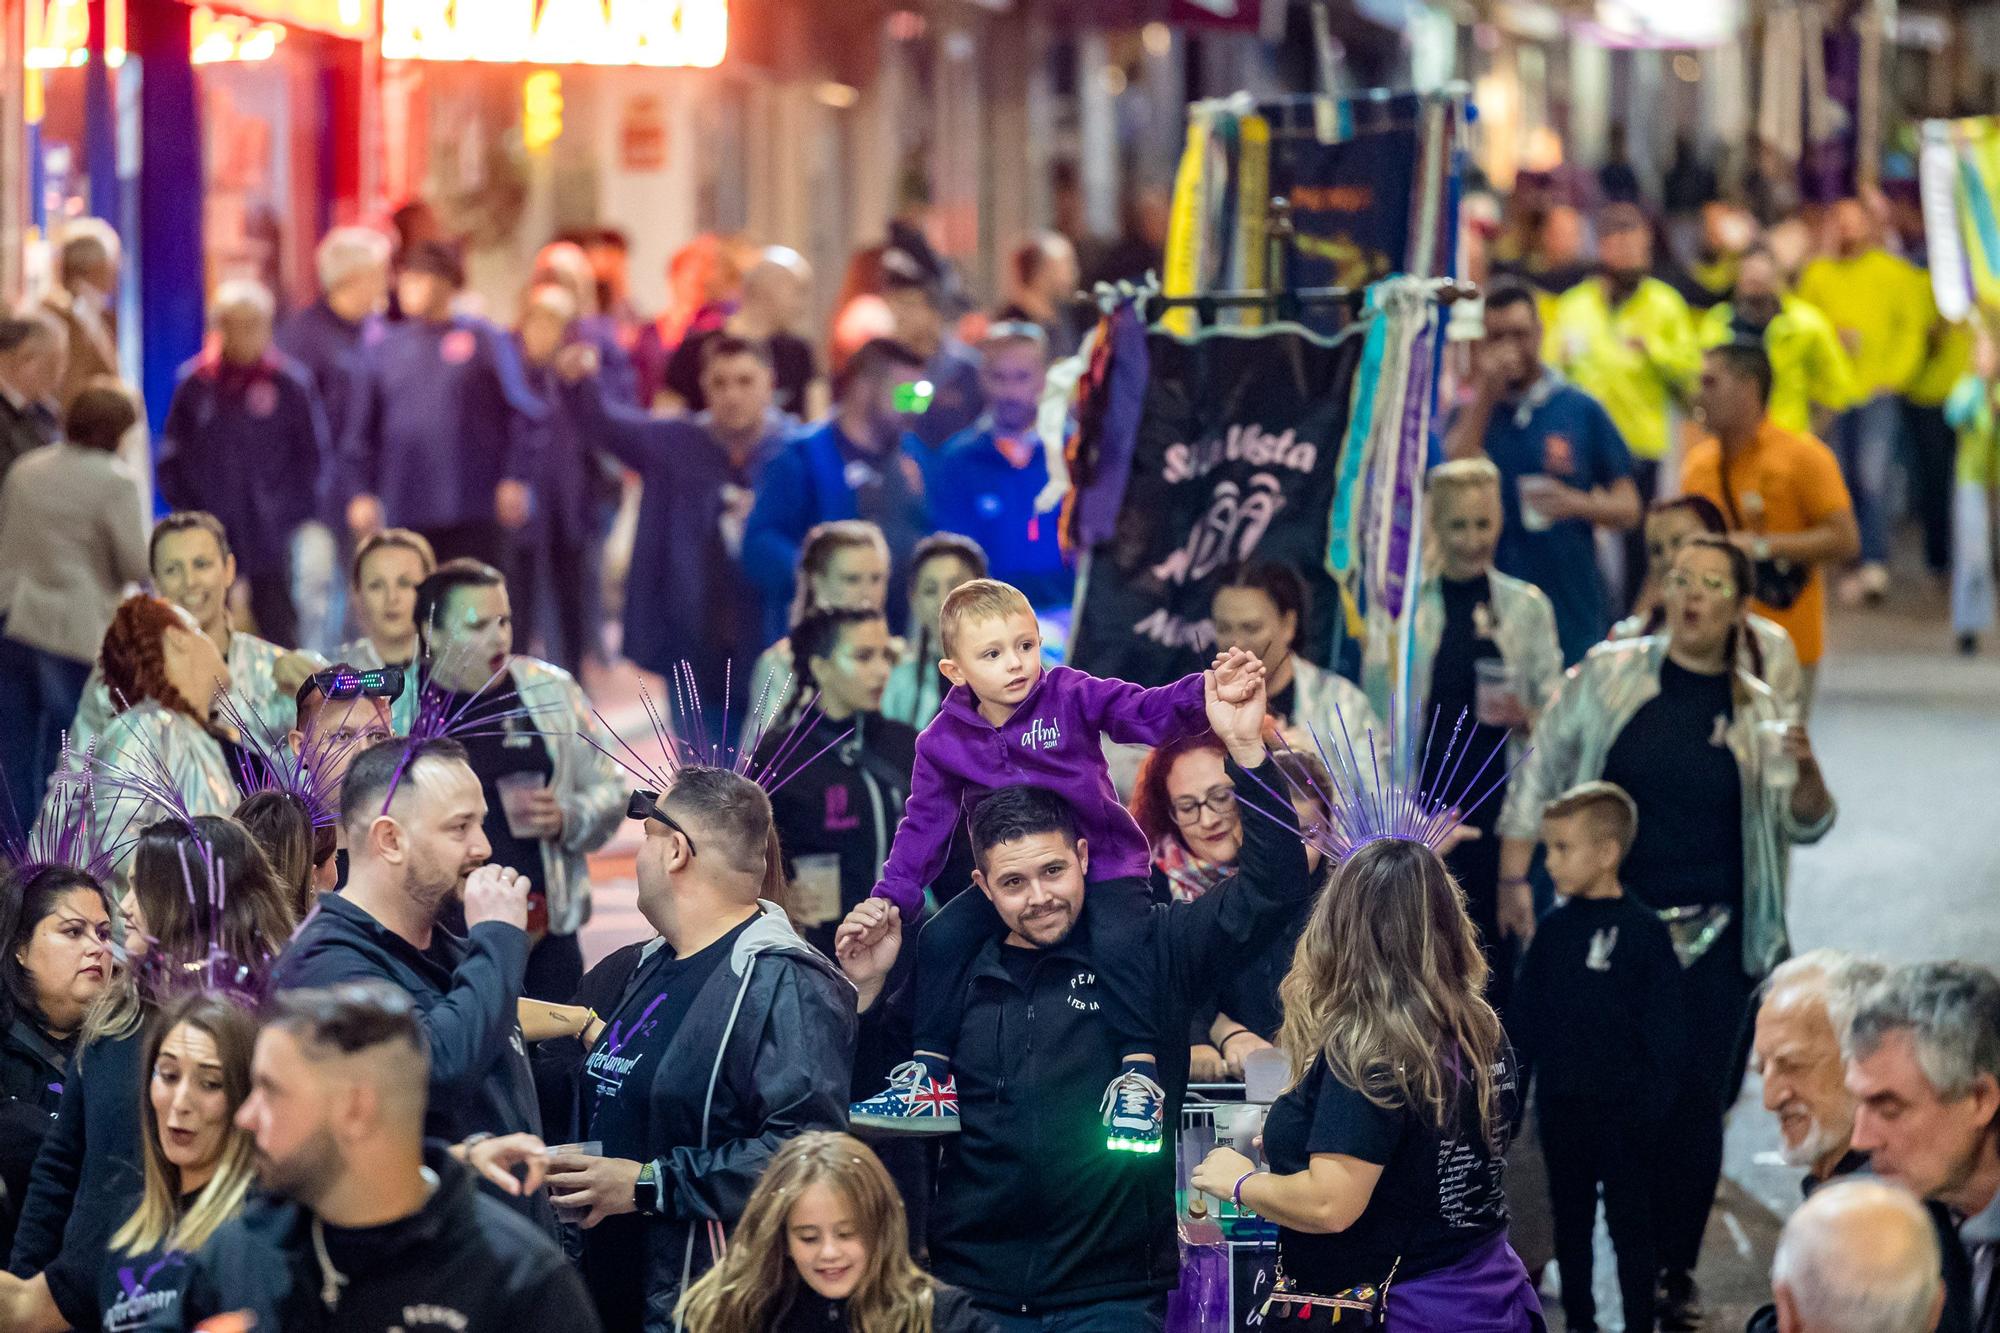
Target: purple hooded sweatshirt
1053, 741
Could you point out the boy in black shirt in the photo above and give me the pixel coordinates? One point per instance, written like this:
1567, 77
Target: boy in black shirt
1596, 1023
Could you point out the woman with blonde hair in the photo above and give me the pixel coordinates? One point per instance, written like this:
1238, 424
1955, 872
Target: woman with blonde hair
823, 1247
1385, 1155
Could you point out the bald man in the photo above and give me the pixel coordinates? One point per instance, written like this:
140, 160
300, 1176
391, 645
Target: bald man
1858, 1257
365, 1225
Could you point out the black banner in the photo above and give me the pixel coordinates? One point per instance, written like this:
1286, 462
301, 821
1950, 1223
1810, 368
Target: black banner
1236, 458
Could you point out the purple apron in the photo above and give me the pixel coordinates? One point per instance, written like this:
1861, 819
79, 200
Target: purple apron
1485, 1292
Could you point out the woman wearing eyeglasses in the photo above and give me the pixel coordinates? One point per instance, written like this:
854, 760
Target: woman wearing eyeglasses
1725, 783
1185, 804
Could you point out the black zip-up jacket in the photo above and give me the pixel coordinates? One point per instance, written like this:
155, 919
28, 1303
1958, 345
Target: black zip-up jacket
84, 1176
463, 1262
31, 1084
469, 990
1033, 1212
762, 1056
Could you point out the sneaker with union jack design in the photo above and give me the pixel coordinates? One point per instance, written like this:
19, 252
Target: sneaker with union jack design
913, 1103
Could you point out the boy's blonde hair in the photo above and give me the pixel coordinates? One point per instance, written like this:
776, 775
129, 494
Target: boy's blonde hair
981, 599
1610, 812
1462, 474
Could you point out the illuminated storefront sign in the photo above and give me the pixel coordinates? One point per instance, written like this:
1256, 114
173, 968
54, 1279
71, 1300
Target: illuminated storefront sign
58, 31
662, 33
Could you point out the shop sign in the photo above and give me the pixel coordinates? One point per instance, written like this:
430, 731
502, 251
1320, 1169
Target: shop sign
337, 18
658, 33
642, 134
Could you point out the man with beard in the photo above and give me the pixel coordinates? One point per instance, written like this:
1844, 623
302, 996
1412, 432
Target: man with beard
413, 813
1808, 1003
1811, 375
1045, 1229
366, 1226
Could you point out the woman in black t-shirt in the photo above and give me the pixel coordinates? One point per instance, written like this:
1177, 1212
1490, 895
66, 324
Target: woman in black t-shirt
1725, 781
1385, 1156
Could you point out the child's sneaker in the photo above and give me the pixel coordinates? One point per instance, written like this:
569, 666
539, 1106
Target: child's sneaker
1134, 1107
914, 1103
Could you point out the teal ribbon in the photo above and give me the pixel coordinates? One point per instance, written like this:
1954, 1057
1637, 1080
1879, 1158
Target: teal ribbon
1360, 422
1973, 188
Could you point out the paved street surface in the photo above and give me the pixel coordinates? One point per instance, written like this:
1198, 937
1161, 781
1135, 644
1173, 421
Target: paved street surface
1909, 734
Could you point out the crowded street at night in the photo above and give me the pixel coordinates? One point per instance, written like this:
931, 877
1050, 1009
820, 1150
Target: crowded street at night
988, 666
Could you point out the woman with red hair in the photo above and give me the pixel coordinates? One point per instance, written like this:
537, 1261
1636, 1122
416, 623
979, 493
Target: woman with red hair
161, 756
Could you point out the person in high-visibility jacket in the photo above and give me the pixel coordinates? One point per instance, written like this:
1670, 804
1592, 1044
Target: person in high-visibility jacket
1932, 440
1976, 494
1628, 340
1884, 321
1811, 375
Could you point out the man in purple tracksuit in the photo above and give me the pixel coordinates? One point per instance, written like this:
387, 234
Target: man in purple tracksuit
1007, 723
442, 436
245, 440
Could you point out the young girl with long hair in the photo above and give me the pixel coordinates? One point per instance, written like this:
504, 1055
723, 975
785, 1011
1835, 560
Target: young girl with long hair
824, 1247
1385, 1155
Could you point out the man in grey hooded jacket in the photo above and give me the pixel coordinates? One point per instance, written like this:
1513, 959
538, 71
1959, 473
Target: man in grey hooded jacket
716, 1042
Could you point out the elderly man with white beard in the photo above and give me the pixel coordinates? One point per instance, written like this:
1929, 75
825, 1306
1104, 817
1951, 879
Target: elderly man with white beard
1801, 1022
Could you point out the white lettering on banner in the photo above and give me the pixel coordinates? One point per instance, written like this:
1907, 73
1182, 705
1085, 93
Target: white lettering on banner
1247, 444
1227, 533
1166, 628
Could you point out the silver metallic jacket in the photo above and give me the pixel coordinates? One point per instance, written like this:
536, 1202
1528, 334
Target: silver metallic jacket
1575, 735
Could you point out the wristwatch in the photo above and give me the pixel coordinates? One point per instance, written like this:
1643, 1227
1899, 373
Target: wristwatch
1760, 549
647, 1191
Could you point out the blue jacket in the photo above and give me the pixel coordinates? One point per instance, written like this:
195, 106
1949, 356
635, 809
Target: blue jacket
333, 351
249, 444
573, 483
977, 491
814, 481
686, 596
446, 416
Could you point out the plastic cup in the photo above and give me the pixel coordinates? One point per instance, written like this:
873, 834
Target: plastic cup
516, 791
1779, 767
1530, 489
1496, 697
593, 1148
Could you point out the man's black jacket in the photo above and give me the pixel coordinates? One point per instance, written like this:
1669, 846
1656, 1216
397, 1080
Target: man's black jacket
464, 1262
762, 1056
469, 991
1033, 1212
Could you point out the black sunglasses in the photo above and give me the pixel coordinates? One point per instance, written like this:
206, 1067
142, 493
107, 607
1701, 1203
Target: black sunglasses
646, 805
345, 682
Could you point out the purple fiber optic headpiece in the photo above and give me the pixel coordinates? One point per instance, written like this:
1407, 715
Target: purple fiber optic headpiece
163, 975
267, 762
690, 743
63, 832
1364, 805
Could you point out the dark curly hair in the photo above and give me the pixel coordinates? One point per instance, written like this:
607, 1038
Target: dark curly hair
1150, 806
134, 655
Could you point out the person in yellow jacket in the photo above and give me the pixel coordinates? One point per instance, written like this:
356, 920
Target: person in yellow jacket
1628, 340
1933, 443
1811, 375
1884, 322
1971, 411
